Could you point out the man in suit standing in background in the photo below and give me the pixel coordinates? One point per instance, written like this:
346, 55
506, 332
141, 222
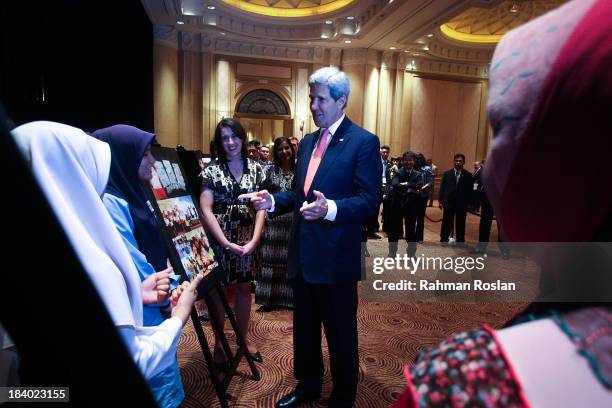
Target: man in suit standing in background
336, 188
372, 224
455, 193
434, 174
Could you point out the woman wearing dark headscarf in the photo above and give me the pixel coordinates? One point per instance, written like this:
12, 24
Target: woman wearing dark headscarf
72, 170
549, 102
126, 202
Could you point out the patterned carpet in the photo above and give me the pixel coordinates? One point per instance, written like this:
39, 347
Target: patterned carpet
390, 335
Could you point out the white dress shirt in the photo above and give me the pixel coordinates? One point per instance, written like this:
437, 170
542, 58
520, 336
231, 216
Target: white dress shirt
332, 208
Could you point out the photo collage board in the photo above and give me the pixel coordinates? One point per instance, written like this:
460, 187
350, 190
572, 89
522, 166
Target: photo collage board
178, 214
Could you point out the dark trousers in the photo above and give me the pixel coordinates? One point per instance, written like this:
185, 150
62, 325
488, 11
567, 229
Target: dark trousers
420, 218
449, 216
486, 219
484, 227
386, 214
404, 216
372, 224
334, 306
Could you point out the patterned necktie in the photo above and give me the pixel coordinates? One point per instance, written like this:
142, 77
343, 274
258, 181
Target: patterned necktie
315, 160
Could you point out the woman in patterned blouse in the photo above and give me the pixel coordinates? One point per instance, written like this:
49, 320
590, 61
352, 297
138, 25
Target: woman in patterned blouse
234, 225
273, 286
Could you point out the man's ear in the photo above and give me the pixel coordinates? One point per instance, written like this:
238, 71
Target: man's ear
342, 101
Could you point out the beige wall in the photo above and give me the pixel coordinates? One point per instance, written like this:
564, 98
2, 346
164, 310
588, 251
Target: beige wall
437, 116
445, 119
166, 95
356, 75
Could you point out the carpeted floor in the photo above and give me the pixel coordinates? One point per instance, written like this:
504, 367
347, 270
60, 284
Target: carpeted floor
390, 335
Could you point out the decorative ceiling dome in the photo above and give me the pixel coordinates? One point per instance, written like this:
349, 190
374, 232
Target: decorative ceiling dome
289, 8
488, 25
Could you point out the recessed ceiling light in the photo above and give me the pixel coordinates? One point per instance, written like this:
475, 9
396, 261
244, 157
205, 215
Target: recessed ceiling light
329, 22
350, 17
426, 48
406, 51
211, 7
430, 35
222, 33
180, 22
390, 1
347, 41
392, 48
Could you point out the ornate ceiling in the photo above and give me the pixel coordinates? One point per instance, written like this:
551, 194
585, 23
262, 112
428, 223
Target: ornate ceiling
488, 25
418, 32
289, 8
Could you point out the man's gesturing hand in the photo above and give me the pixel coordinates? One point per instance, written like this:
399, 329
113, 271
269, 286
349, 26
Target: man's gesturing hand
261, 200
315, 210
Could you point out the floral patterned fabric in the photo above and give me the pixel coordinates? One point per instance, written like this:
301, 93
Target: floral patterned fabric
236, 217
273, 285
465, 370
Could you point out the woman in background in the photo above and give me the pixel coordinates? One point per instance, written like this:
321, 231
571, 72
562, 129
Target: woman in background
72, 169
129, 209
234, 225
273, 287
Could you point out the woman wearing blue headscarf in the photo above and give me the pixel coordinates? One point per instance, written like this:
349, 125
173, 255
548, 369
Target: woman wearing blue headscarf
128, 206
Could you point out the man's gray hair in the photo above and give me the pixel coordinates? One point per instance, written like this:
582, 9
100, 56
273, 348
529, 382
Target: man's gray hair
336, 80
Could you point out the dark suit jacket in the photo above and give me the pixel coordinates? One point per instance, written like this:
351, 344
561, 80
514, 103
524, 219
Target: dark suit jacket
349, 174
428, 179
478, 193
386, 190
403, 194
455, 195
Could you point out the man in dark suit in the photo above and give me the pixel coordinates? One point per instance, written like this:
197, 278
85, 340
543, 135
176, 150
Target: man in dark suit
372, 224
455, 194
477, 183
486, 218
385, 153
336, 188
406, 185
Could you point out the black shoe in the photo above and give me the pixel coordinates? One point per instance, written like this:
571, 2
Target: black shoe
265, 308
295, 399
478, 250
505, 255
256, 357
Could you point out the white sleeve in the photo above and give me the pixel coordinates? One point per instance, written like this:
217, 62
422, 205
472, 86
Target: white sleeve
271, 209
332, 210
153, 348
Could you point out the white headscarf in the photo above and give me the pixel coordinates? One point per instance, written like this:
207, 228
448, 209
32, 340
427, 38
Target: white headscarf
72, 169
